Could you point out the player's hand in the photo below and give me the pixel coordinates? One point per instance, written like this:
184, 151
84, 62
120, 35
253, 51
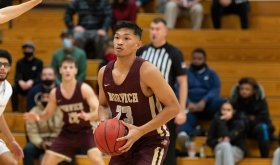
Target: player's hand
16, 149
31, 116
85, 116
181, 118
134, 133
101, 32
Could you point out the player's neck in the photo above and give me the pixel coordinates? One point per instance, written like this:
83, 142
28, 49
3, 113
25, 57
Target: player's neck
124, 63
159, 43
68, 84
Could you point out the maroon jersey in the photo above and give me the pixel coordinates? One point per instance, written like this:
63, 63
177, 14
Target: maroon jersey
127, 101
70, 108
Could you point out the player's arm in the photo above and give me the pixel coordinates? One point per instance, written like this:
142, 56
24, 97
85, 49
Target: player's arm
183, 92
48, 111
10, 138
12, 12
103, 110
153, 79
92, 101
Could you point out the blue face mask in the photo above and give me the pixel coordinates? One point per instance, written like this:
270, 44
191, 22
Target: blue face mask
67, 43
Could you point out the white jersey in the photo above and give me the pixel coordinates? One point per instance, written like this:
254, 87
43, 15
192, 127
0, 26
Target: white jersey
6, 91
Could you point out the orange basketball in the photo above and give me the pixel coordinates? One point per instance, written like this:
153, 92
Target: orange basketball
106, 134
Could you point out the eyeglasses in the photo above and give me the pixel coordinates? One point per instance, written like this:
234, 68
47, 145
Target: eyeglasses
5, 64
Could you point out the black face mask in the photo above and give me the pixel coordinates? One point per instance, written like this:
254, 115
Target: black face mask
44, 103
28, 54
47, 82
197, 67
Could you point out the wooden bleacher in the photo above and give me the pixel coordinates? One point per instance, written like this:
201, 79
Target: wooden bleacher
263, 15
231, 53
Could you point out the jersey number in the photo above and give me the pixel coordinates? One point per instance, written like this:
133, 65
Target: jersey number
74, 118
126, 110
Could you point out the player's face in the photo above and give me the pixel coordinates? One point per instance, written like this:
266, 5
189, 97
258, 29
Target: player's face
4, 68
246, 90
48, 74
227, 110
68, 70
158, 32
126, 42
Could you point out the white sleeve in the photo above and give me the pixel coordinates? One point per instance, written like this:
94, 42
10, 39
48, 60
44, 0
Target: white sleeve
6, 96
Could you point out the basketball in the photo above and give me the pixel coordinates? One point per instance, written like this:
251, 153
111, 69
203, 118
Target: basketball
106, 134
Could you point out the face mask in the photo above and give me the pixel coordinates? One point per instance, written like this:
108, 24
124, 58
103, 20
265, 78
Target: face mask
44, 103
197, 67
48, 82
67, 43
28, 54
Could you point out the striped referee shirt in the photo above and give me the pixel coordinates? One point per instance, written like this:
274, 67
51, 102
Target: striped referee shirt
167, 58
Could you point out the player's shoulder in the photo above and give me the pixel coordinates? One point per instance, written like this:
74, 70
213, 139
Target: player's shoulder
147, 68
8, 86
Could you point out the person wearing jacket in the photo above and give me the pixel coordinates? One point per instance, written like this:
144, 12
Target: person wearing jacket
248, 98
203, 94
41, 134
226, 136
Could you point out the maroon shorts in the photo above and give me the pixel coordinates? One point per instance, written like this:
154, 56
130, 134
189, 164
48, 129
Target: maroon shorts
145, 151
66, 144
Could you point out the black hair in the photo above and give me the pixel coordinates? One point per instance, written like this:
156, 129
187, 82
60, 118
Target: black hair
129, 25
199, 50
159, 20
69, 59
248, 80
7, 55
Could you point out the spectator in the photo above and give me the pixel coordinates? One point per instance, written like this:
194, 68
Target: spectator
169, 60
46, 84
41, 134
192, 7
69, 49
248, 98
203, 94
95, 18
226, 136
124, 10
223, 7
28, 70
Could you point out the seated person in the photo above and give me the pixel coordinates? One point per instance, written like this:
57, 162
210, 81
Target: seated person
94, 21
203, 93
226, 136
248, 97
192, 8
46, 84
223, 7
69, 49
28, 70
41, 134
123, 10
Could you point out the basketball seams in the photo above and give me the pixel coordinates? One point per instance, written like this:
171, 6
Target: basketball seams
105, 133
97, 144
117, 136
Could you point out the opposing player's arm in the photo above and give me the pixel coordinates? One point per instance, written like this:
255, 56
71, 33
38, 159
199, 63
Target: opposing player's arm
103, 110
92, 101
48, 111
12, 12
153, 79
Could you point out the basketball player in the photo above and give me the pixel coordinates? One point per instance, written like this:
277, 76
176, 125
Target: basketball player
169, 60
134, 88
78, 104
11, 12
6, 158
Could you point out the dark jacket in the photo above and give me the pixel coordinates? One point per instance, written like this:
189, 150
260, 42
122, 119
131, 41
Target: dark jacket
92, 14
235, 129
255, 106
